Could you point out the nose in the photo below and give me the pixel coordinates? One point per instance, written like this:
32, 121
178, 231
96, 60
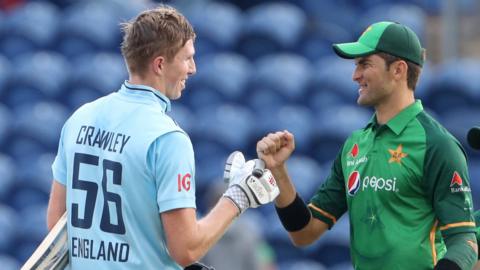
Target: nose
356, 74
192, 68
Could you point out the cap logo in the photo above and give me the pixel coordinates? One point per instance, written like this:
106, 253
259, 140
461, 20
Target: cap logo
366, 30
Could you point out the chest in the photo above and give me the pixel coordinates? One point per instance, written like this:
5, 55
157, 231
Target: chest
383, 167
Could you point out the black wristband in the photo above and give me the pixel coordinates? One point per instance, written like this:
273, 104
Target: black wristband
445, 264
295, 216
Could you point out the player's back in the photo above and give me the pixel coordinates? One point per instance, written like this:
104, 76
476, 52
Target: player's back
113, 218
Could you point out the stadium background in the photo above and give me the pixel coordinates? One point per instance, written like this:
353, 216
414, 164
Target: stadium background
261, 66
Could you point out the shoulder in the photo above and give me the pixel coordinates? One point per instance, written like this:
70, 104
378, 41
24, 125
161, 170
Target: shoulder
173, 143
440, 144
436, 135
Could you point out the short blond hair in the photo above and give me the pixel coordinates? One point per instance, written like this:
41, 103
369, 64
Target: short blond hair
160, 31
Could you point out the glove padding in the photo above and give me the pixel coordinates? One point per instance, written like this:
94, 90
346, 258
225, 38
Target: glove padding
250, 184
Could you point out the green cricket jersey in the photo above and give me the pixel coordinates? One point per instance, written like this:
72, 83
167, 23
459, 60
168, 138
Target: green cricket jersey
404, 184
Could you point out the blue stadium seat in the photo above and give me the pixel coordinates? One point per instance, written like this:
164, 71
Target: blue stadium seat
427, 77
474, 172
22, 147
36, 229
434, 7
5, 74
125, 10
17, 97
322, 98
235, 73
210, 159
459, 121
301, 265
334, 246
35, 172
9, 263
342, 266
78, 96
306, 174
334, 74
6, 123
218, 24
229, 125
3, 18
288, 74
277, 237
334, 125
340, 12
36, 21
104, 72
8, 226
264, 102
270, 28
198, 97
43, 122
299, 120
407, 14
23, 197
183, 116
47, 72
95, 22
456, 85
8, 173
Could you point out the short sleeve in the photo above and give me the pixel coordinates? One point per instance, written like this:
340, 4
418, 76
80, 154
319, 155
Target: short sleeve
59, 166
448, 185
171, 159
329, 203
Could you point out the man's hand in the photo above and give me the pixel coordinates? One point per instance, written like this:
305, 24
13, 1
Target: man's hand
250, 184
275, 148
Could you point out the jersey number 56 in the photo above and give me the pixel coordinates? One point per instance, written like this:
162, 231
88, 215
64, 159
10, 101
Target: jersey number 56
91, 188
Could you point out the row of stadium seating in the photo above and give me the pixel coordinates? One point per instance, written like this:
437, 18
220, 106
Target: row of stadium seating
261, 66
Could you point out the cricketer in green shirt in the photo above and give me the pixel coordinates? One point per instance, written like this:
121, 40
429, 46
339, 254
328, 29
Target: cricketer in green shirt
403, 183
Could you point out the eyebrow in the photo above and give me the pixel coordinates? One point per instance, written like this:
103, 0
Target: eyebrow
362, 61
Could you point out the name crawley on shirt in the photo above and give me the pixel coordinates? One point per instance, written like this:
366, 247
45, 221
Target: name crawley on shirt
87, 248
106, 140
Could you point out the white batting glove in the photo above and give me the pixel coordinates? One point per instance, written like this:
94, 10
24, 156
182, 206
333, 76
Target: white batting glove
250, 184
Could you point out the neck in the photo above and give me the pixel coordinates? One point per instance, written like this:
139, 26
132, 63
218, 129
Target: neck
394, 105
148, 81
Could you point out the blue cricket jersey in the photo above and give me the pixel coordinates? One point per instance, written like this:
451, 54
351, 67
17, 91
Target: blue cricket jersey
123, 161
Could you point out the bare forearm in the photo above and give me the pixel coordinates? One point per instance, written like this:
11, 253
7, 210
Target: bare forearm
188, 239
287, 189
56, 204
213, 226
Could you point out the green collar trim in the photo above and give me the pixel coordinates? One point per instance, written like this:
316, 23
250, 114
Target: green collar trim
398, 123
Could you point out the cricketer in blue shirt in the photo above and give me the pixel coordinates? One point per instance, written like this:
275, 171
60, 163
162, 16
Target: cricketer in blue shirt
125, 170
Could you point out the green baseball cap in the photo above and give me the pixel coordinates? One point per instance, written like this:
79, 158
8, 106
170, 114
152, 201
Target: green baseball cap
388, 37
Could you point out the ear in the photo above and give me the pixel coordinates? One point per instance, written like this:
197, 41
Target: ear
158, 65
399, 69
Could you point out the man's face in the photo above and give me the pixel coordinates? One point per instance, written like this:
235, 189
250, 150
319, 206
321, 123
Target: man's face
178, 69
374, 79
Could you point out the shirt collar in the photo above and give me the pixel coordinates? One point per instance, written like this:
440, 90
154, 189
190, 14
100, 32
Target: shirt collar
399, 121
146, 91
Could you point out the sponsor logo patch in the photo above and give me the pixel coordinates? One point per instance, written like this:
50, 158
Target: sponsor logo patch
354, 151
456, 184
353, 183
